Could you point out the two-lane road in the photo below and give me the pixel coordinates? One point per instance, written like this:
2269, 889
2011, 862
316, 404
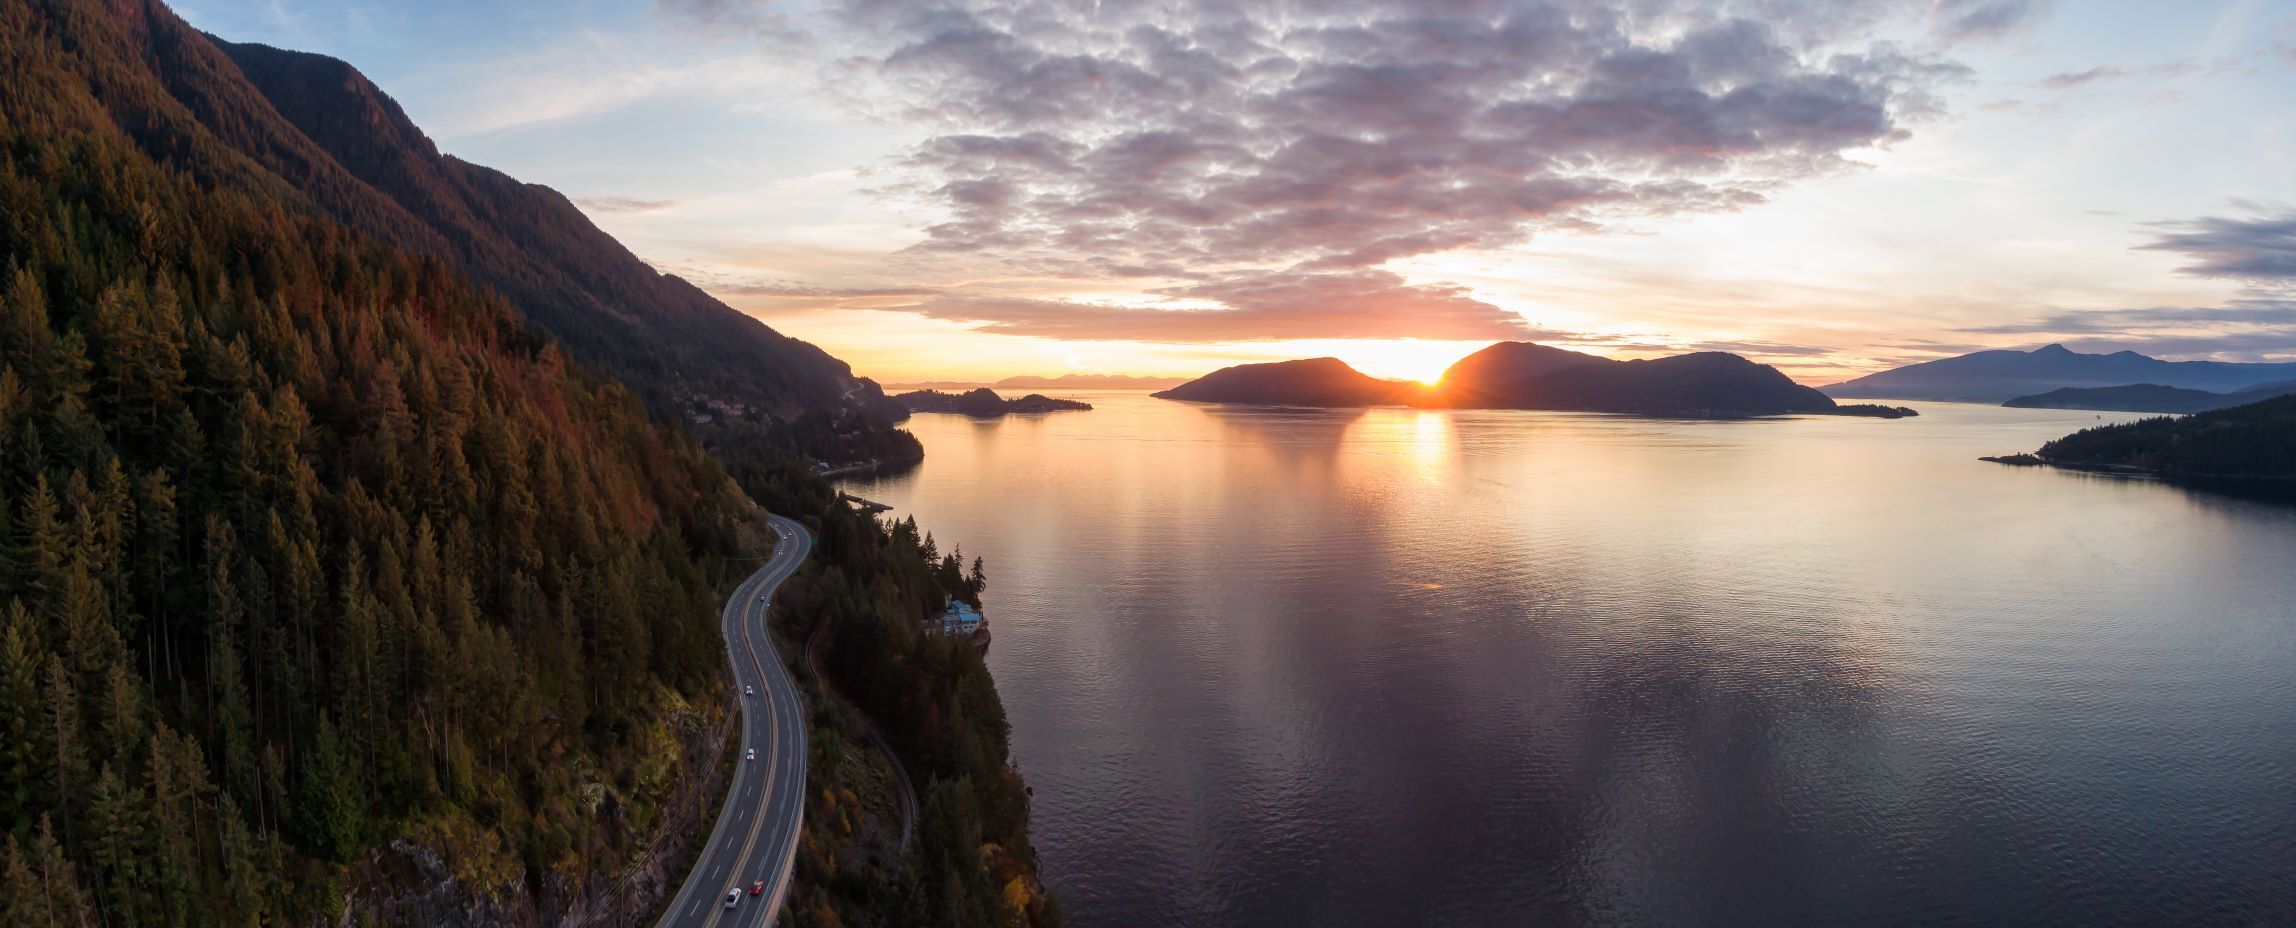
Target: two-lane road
756, 835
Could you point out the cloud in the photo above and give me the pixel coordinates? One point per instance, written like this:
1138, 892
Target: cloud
2115, 321
1923, 349
582, 73
779, 30
713, 11
797, 291
1215, 142
788, 294
1273, 307
623, 204
2102, 74
2263, 345
2241, 330
1962, 19
2259, 249
1761, 349
2072, 79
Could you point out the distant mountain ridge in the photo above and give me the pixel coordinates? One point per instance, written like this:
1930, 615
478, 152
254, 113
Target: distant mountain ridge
2149, 397
2002, 375
1523, 375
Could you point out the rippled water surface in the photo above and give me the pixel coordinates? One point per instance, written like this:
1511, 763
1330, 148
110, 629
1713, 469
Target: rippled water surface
1392, 667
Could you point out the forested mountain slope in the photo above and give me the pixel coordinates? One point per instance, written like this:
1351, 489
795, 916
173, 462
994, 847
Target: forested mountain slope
311, 134
332, 591
309, 544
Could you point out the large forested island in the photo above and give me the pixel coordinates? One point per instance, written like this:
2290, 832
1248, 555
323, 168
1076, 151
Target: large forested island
366, 516
1310, 382
1522, 375
2253, 441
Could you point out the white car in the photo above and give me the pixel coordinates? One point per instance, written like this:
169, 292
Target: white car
732, 898
747, 690
752, 753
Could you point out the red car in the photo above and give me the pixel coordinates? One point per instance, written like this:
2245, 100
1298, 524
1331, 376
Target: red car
757, 888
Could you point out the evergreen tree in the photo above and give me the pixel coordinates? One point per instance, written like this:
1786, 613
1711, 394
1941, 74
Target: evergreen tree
65, 772
328, 810
20, 721
114, 833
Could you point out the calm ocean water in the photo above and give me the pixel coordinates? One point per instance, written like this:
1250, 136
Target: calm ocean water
1391, 667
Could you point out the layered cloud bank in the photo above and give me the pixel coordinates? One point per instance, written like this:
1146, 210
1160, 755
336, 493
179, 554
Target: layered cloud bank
1254, 160
1112, 183
2256, 250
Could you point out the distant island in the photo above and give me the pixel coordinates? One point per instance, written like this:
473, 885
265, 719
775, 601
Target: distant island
2257, 440
2002, 376
1524, 375
1704, 385
1872, 411
983, 403
1310, 382
2150, 397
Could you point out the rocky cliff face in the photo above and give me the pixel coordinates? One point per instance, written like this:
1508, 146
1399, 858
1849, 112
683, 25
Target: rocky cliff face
463, 880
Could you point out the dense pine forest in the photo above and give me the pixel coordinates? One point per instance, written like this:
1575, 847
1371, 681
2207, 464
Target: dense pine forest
315, 543
308, 545
2256, 440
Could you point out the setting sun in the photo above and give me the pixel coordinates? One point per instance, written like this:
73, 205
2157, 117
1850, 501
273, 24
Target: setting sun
1403, 359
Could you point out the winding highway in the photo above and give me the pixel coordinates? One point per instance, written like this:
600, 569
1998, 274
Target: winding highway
755, 840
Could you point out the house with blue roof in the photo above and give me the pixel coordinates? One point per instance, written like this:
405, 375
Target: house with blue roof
959, 618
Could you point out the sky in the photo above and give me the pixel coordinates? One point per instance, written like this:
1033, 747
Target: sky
953, 190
